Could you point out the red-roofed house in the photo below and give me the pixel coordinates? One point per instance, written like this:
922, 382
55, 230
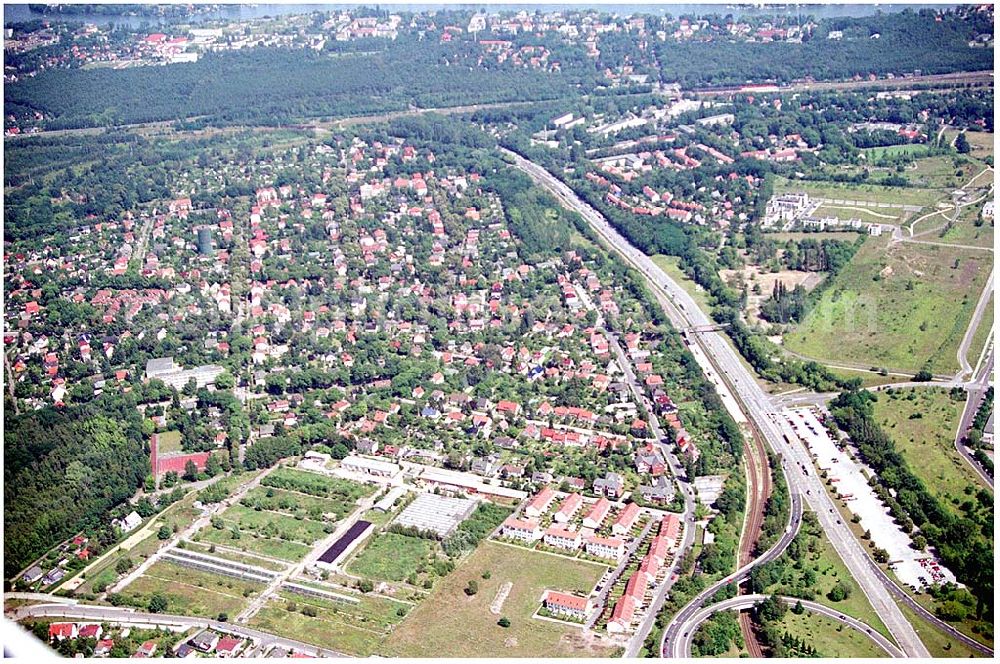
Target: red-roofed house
539, 505
621, 617
228, 646
562, 539
605, 547
670, 528
597, 514
91, 631
566, 604
623, 524
526, 531
60, 631
569, 507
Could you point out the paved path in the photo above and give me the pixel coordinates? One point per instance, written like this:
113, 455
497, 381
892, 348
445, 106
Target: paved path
977, 390
977, 317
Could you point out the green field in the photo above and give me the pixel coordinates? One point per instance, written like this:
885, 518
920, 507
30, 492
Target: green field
830, 638
847, 212
669, 264
860, 192
914, 149
249, 542
899, 306
226, 554
191, 592
828, 569
845, 236
927, 441
294, 503
938, 643
350, 629
391, 557
451, 624
169, 441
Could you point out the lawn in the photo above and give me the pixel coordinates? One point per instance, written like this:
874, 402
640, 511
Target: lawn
859, 192
869, 378
274, 524
190, 591
798, 236
914, 149
169, 441
227, 554
847, 212
293, 503
391, 557
669, 264
828, 570
922, 423
451, 624
265, 546
938, 643
830, 638
899, 306
350, 629
315, 484
942, 173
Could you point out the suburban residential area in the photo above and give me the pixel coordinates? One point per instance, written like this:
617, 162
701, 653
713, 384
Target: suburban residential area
498, 332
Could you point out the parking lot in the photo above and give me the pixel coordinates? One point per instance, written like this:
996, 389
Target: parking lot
916, 568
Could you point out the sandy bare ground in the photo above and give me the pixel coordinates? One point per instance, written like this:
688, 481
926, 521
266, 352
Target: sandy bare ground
752, 275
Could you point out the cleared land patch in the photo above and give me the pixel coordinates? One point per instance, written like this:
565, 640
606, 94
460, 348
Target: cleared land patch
901, 306
452, 624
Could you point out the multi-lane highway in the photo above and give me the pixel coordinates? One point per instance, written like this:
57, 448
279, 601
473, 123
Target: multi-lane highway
748, 601
758, 406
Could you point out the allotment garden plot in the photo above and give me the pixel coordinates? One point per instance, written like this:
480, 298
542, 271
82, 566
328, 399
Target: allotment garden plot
285, 516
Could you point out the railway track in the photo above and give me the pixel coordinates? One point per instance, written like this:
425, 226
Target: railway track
758, 491
749, 638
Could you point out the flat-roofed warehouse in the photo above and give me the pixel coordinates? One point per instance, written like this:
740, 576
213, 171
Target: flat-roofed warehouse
439, 514
366, 466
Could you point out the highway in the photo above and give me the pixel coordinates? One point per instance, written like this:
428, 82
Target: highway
758, 407
748, 601
126, 616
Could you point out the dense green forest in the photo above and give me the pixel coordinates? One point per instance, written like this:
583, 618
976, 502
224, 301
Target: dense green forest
964, 543
64, 470
906, 42
276, 86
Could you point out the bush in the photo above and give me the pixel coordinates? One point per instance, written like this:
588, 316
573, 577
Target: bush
472, 588
309, 611
157, 603
504, 622
366, 585
839, 592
